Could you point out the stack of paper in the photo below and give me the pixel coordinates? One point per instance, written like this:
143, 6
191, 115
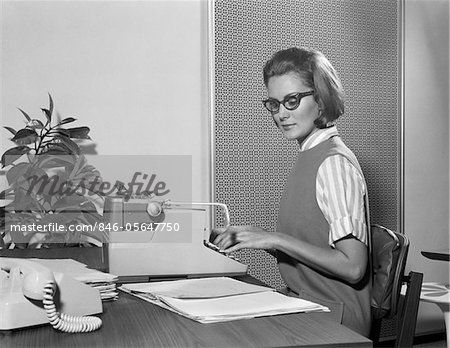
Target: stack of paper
209, 300
105, 283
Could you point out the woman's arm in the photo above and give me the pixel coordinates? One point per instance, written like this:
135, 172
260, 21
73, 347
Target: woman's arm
348, 261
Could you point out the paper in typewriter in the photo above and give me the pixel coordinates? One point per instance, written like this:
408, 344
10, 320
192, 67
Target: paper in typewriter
210, 300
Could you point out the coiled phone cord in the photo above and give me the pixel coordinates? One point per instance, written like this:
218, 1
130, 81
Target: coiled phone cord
65, 322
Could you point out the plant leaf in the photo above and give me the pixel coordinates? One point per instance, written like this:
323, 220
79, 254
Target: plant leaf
11, 155
50, 104
54, 151
18, 237
45, 190
16, 172
25, 136
30, 156
61, 131
70, 144
57, 149
71, 204
56, 160
67, 120
35, 124
36, 172
6, 193
12, 130
25, 114
23, 202
59, 219
88, 207
79, 132
79, 163
47, 114
91, 219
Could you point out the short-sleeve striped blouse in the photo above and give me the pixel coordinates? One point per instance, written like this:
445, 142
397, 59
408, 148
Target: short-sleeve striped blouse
340, 191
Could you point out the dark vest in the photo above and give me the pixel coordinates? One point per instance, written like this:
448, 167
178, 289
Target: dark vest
301, 217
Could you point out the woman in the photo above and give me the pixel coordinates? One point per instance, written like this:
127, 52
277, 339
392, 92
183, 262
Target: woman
321, 242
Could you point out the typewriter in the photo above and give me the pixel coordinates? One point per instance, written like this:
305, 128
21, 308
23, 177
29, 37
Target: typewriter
162, 240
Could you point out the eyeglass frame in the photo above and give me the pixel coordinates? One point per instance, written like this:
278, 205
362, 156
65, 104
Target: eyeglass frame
299, 95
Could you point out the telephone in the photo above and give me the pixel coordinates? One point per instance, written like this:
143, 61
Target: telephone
29, 290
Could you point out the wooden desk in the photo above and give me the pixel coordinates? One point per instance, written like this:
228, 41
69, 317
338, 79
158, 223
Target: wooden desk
131, 322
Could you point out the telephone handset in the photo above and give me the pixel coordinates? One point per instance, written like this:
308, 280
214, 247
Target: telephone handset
38, 283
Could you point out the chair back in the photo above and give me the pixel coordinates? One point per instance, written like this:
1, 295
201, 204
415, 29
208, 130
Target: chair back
389, 253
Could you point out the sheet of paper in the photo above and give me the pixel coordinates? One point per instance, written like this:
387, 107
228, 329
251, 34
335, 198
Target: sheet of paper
198, 288
76, 270
262, 303
210, 300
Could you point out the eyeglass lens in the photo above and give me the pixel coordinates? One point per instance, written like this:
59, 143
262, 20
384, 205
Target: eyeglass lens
290, 102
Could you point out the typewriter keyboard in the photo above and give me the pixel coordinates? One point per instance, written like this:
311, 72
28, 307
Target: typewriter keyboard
216, 248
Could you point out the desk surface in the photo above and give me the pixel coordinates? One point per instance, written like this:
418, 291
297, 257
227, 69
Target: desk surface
435, 293
131, 322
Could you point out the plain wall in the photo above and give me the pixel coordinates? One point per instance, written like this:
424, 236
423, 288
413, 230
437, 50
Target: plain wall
135, 72
427, 143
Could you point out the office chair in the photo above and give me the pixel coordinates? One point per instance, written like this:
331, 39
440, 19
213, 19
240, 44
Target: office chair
389, 253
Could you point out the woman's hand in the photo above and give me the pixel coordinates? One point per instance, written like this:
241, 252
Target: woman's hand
239, 237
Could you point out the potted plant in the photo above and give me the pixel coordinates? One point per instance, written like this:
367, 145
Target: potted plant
51, 186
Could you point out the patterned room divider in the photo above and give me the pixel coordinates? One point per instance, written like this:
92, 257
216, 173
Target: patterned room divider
251, 159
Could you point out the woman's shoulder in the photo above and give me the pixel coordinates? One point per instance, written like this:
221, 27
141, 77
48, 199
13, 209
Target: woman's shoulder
338, 147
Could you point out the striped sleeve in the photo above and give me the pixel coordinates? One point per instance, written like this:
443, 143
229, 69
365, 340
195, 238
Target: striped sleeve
340, 194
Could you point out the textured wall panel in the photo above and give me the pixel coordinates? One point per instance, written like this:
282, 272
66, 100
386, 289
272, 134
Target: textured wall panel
252, 160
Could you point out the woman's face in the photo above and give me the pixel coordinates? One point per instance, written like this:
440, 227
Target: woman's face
299, 123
